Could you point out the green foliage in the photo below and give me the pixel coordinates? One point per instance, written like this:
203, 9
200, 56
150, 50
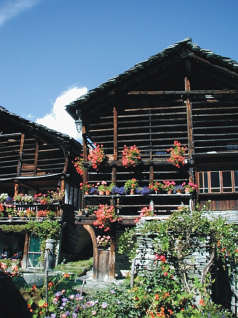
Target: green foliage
44, 230
127, 243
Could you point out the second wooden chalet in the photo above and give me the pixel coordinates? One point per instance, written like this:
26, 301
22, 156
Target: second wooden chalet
37, 181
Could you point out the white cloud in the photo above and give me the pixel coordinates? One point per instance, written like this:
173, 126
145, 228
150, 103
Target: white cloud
11, 8
58, 119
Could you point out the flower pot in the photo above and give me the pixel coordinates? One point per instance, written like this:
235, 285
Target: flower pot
86, 192
107, 192
132, 191
170, 191
100, 192
187, 191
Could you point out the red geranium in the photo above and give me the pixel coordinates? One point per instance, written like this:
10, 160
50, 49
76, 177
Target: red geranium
177, 154
78, 164
96, 156
130, 156
105, 215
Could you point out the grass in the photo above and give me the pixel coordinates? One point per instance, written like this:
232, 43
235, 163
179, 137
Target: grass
79, 267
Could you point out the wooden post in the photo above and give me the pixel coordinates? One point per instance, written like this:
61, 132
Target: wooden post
85, 154
187, 85
151, 173
25, 251
115, 141
16, 188
36, 157
115, 144
20, 154
111, 275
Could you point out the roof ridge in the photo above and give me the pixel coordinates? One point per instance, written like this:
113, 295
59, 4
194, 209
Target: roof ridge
140, 66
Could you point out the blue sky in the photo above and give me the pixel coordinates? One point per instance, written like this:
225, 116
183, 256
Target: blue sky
52, 48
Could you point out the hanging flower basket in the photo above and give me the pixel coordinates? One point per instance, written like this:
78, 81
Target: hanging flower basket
96, 156
78, 164
105, 216
130, 156
177, 154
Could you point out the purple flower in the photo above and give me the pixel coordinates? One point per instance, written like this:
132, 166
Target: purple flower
104, 305
112, 291
64, 300
115, 190
145, 191
74, 315
93, 190
121, 190
53, 316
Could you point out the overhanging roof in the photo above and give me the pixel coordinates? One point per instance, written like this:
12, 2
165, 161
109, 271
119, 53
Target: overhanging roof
41, 129
185, 48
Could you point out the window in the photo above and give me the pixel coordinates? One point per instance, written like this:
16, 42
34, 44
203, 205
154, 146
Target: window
34, 253
220, 181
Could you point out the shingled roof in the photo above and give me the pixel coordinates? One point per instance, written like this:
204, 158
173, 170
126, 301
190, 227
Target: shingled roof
40, 129
113, 84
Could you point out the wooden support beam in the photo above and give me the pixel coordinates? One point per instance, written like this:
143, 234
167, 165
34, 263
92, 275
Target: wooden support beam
214, 66
151, 173
16, 188
92, 234
187, 86
115, 128
111, 273
36, 157
20, 154
187, 93
114, 174
25, 251
85, 153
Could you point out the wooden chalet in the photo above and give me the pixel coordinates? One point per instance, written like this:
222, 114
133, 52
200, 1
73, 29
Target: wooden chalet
34, 161
184, 93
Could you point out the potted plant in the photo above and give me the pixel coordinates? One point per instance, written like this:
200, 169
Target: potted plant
130, 156
29, 213
18, 197
109, 188
143, 190
177, 154
3, 197
105, 216
155, 186
27, 198
57, 196
168, 186
118, 190
102, 188
85, 187
96, 156
179, 188
78, 164
190, 187
131, 185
